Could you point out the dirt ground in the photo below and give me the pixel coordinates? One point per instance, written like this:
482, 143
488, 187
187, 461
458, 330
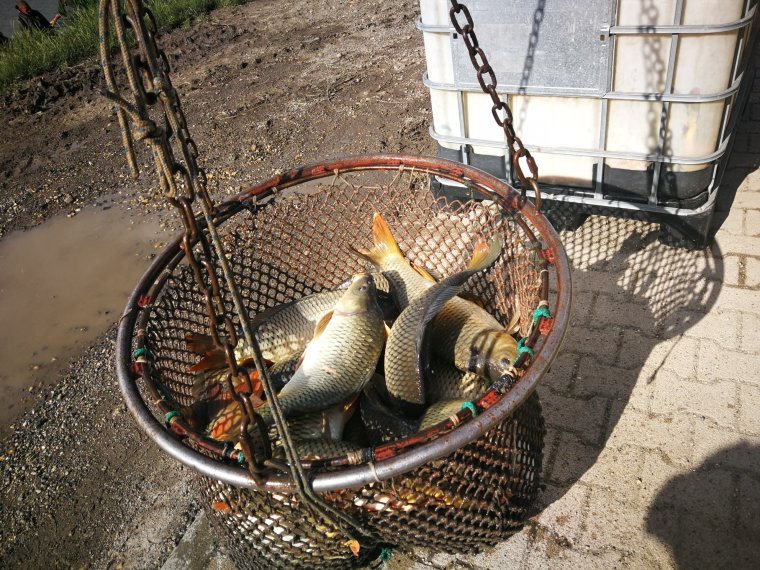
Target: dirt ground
265, 86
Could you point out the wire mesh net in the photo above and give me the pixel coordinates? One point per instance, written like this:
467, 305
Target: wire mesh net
476, 497
284, 245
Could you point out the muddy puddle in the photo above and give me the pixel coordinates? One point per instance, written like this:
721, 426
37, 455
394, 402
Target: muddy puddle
63, 284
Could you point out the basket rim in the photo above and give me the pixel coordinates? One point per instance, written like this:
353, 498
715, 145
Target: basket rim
355, 476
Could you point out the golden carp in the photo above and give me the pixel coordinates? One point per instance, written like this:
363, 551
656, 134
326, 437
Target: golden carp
342, 356
471, 339
406, 353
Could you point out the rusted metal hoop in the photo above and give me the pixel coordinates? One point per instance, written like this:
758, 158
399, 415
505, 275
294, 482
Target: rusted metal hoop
484, 185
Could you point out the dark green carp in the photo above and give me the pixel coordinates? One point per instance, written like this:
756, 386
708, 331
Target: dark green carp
381, 422
463, 333
406, 353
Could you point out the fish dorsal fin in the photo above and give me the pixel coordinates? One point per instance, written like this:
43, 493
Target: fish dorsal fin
322, 325
514, 323
484, 254
424, 272
318, 330
263, 316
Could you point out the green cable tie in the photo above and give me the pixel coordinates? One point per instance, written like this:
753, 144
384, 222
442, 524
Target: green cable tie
470, 406
168, 417
521, 349
139, 352
386, 553
541, 312
241, 458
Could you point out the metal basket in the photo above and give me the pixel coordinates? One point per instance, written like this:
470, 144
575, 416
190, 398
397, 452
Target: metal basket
289, 237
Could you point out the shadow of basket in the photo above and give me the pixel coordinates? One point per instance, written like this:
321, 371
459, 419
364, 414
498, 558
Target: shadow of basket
635, 300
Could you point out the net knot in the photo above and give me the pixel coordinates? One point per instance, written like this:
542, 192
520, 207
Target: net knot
386, 554
522, 349
140, 352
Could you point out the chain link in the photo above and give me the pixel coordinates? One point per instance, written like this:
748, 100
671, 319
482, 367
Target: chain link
182, 181
487, 81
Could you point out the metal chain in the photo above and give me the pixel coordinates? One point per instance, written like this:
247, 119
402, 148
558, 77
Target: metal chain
487, 80
182, 181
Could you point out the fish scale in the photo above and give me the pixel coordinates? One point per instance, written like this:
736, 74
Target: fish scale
287, 329
341, 360
445, 382
406, 283
319, 448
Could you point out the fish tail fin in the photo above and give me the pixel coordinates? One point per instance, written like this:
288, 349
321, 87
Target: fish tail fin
224, 425
199, 343
209, 385
385, 244
210, 361
484, 254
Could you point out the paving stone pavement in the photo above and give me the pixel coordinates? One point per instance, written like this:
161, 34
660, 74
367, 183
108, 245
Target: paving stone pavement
652, 455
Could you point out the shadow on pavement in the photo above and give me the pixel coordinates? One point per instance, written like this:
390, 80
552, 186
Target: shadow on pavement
633, 300
710, 517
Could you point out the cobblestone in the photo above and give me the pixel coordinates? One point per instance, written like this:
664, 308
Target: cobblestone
752, 271
749, 418
752, 222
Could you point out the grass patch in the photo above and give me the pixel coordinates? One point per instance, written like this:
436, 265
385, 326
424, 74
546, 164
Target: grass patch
30, 53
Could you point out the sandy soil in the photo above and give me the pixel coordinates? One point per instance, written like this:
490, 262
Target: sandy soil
265, 86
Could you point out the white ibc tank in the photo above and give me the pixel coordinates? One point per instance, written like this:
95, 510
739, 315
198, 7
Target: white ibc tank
650, 102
